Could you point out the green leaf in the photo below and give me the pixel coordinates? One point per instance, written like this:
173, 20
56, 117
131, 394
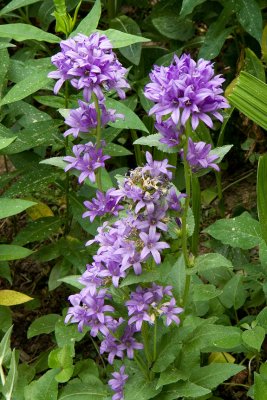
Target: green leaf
115, 150
56, 161
262, 318
206, 262
26, 87
121, 39
66, 334
5, 345
10, 252
10, 207
11, 377
5, 320
90, 22
15, 4
4, 45
253, 65
154, 141
189, 5
168, 350
174, 27
254, 337
205, 292
45, 388
77, 390
171, 375
234, 293
128, 25
242, 231
12, 298
146, 276
130, 121
4, 142
182, 390
45, 324
221, 151
62, 359
214, 374
39, 230
249, 16
72, 280
260, 387
138, 388
22, 32
262, 195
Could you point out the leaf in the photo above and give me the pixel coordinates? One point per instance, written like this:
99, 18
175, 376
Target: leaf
221, 357
11, 377
90, 22
214, 374
181, 390
260, 387
10, 207
72, 280
253, 65
206, 262
26, 87
10, 252
168, 350
115, 150
171, 375
45, 324
15, 4
39, 230
234, 293
221, 151
130, 121
22, 32
189, 5
249, 16
66, 334
121, 39
205, 292
173, 27
62, 358
56, 161
154, 141
45, 388
262, 195
138, 388
128, 25
40, 210
242, 231
5, 321
77, 390
12, 298
4, 142
4, 45
254, 337
262, 318
5, 345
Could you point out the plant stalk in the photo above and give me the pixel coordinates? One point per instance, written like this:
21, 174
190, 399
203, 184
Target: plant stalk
98, 139
67, 180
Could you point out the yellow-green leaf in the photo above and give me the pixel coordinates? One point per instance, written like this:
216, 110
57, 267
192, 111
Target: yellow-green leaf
12, 298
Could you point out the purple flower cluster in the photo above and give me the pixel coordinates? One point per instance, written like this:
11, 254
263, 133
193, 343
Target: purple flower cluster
198, 156
117, 383
88, 158
104, 203
89, 64
186, 89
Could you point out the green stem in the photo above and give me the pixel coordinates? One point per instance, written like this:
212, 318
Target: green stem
146, 344
155, 341
140, 364
220, 193
187, 173
98, 139
67, 180
137, 149
196, 207
3, 378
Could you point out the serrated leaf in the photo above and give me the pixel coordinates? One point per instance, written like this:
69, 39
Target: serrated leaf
138, 388
242, 231
121, 39
22, 32
210, 261
15, 4
214, 374
45, 324
205, 292
10, 252
128, 25
10, 207
130, 121
234, 293
254, 337
45, 388
77, 390
168, 350
183, 390
90, 22
171, 375
249, 15
12, 298
4, 142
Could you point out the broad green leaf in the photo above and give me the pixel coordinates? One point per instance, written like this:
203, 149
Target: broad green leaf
242, 231
189, 5
249, 95
39, 230
249, 15
56, 161
154, 141
182, 390
115, 150
45, 324
260, 387
221, 357
130, 121
12, 298
72, 280
45, 388
214, 374
174, 27
209, 261
205, 292
60, 269
5, 344
10, 252
254, 337
66, 334
26, 87
10, 207
234, 293
40, 210
20, 32
221, 151
177, 274
77, 390
128, 25
171, 375
262, 195
121, 39
4, 142
5, 320
15, 4
90, 22
62, 359
5, 63
26, 374
169, 348
146, 276
138, 388
4, 45
253, 65
262, 318
11, 377
51, 101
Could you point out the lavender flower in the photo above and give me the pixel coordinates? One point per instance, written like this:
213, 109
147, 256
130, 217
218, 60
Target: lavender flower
174, 200
103, 204
90, 64
152, 245
199, 156
117, 383
185, 89
112, 346
84, 118
88, 158
170, 310
170, 132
